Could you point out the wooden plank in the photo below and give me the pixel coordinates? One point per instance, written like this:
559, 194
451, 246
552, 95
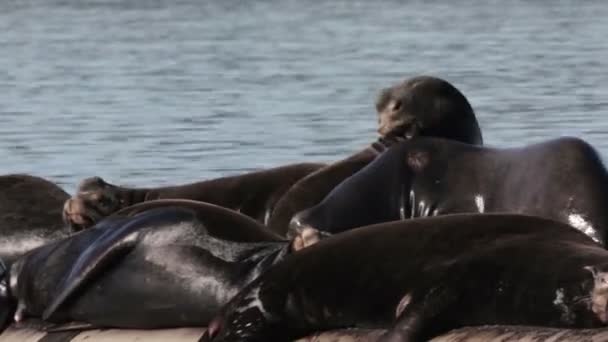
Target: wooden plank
469, 334
128, 335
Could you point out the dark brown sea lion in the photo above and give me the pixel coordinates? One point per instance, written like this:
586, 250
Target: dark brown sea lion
158, 264
30, 216
253, 194
563, 179
422, 278
419, 106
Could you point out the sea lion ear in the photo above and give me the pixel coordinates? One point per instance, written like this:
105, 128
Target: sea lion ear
591, 269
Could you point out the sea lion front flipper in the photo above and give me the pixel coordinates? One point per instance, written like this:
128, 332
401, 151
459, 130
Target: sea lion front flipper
415, 314
52, 328
32, 323
111, 245
258, 313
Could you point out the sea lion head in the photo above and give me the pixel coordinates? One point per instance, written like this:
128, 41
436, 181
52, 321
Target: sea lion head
95, 200
427, 106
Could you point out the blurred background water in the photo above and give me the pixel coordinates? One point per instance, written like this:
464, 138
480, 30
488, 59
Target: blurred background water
161, 92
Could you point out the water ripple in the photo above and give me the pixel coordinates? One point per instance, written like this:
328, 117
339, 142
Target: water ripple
160, 92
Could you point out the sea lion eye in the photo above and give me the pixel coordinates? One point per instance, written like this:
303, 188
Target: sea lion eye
396, 105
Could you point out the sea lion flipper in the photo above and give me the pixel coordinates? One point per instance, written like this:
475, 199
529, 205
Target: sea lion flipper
416, 311
104, 249
53, 328
113, 244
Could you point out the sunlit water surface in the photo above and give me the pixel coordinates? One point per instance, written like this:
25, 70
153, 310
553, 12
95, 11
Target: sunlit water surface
163, 92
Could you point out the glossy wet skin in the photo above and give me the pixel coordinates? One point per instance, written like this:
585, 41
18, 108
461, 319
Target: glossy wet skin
504, 269
420, 106
562, 179
162, 263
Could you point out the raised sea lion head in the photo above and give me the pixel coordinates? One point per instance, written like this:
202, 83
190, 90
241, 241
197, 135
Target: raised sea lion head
95, 197
427, 106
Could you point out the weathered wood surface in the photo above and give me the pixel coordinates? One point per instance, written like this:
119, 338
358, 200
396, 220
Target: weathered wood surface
471, 334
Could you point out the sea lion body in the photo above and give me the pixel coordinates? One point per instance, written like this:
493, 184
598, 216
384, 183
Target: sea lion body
311, 189
562, 179
424, 277
156, 265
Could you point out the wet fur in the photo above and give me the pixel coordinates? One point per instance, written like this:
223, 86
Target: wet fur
562, 179
158, 264
492, 264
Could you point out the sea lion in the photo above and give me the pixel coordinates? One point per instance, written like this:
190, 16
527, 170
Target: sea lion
421, 278
30, 214
253, 194
563, 179
158, 264
419, 106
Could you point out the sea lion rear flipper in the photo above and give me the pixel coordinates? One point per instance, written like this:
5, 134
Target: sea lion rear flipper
111, 245
415, 314
51, 327
36, 324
